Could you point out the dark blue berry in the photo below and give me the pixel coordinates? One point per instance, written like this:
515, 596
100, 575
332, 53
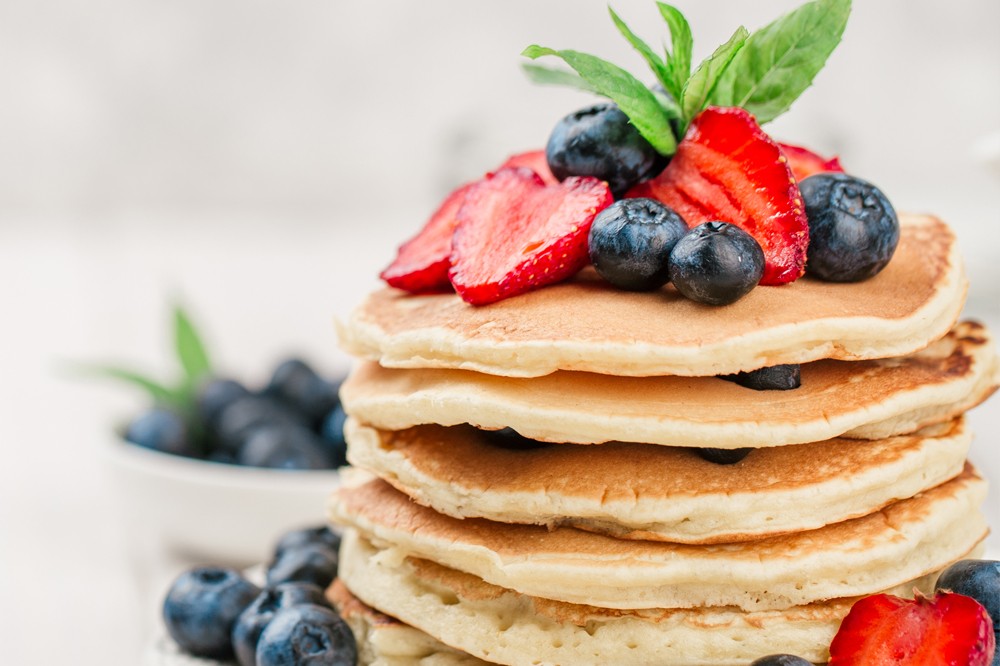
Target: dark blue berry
630, 243
332, 434
979, 579
314, 563
215, 395
716, 263
781, 660
724, 456
161, 430
255, 617
297, 384
202, 606
284, 446
853, 229
294, 539
307, 636
773, 378
600, 141
245, 415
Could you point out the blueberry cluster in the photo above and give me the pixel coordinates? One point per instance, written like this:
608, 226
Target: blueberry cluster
215, 612
295, 422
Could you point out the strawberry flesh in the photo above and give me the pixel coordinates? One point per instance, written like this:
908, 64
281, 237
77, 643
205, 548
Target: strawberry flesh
805, 163
516, 233
727, 169
534, 160
943, 630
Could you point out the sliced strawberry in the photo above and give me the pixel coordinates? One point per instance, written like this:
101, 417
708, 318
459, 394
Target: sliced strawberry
728, 169
944, 630
422, 263
516, 233
534, 160
805, 163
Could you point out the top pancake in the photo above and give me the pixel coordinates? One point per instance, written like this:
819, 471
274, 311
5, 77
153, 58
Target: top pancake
587, 325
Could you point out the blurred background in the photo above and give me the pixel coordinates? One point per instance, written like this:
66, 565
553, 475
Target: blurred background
260, 162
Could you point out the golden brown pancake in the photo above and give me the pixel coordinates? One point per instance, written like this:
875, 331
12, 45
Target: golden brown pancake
587, 325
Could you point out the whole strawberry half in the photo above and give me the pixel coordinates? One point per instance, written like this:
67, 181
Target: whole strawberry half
727, 169
515, 233
943, 630
534, 160
805, 163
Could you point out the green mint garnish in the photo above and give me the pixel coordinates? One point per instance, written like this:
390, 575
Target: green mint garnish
763, 72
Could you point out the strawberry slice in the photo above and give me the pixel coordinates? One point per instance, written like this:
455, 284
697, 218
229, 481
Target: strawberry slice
515, 233
944, 630
728, 169
805, 163
534, 160
422, 263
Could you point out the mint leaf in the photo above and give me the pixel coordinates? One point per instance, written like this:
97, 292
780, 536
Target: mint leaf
631, 96
781, 60
190, 348
555, 77
682, 43
658, 66
157, 391
699, 87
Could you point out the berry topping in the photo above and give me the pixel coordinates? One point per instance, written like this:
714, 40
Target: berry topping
284, 446
422, 263
853, 229
255, 617
979, 579
773, 378
630, 242
728, 169
240, 418
805, 163
295, 539
161, 430
297, 384
781, 660
534, 160
716, 263
724, 456
600, 141
307, 634
944, 630
202, 606
215, 395
314, 563
516, 234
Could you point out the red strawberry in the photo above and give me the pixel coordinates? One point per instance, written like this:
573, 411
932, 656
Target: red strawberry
805, 162
944, 630
728, 169
534, 160
516, 233
422, 263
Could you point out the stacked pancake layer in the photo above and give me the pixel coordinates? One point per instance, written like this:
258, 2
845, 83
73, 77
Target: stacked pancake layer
606, 537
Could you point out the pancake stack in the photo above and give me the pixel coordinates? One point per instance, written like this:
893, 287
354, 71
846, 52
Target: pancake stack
536, 483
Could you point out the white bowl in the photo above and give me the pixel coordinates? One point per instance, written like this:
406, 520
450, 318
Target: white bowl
219, 513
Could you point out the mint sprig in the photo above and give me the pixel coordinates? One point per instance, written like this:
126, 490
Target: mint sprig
763, 72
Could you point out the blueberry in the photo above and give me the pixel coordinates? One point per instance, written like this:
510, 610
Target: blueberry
724, 456
773, 378
979, 579
630, 242
781, 660
332, 434
508, 438
853, 229
307, 636
600, 141
202, 606
255, 617
215, 395
314, 563
284, 446
161, 430
297, 384
322, 535
245, 415
716, 263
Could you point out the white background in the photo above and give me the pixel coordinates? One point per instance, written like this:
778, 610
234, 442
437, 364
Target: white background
260, 161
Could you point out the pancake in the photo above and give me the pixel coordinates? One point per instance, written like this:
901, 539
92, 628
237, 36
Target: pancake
862, 399
509, 628
905, 540
638, 491
587, 325
385, 641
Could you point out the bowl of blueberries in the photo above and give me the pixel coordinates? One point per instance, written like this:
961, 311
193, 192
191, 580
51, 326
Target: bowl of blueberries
216, 469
